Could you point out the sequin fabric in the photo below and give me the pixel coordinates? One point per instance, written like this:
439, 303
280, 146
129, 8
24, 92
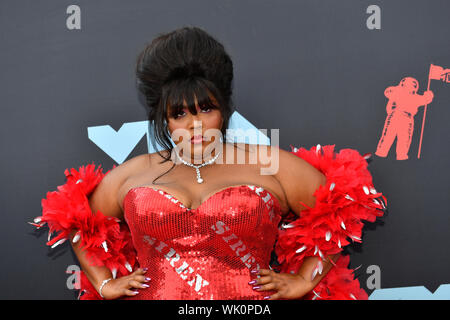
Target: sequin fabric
202, 253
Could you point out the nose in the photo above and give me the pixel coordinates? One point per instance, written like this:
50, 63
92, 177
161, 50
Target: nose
196, 122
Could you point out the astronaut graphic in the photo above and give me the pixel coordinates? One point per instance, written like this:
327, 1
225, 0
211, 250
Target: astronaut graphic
401, 108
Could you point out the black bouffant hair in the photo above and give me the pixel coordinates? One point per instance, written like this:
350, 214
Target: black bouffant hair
177, 66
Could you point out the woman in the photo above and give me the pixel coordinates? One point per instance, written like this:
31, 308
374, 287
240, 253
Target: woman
199, 220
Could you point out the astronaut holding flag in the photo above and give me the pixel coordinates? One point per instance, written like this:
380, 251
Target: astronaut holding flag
403, 104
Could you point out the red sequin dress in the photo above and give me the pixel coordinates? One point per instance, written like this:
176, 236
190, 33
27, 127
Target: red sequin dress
206, 252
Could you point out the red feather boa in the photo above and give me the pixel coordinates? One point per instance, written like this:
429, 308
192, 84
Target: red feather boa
106, 241
347, 198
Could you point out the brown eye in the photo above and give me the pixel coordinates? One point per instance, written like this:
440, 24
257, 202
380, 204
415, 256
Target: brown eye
208, 107
177, 114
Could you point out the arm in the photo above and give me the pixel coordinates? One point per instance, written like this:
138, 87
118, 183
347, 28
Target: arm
299, 181
390, 94
103, 199
328, 221
425, 99
85, 211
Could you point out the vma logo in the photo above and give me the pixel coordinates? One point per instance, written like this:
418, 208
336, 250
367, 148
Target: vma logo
119, 144
403, 104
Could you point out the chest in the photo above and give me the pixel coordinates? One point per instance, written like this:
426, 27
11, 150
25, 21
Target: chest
244, 211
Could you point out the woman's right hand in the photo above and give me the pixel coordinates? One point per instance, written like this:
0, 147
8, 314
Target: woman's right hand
124, 286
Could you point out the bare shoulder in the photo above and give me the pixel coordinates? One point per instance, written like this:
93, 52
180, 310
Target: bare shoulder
105, 196
299, 179
121, 173
288, 164
263, 154
292, 164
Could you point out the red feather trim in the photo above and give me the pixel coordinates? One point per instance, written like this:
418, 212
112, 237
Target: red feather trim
338, 284
341, 206
106, 241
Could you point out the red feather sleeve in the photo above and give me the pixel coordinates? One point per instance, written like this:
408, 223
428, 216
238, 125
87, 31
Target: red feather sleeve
341, 206
106, 241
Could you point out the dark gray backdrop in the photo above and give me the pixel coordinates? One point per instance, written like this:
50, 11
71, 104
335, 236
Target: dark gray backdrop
311, 68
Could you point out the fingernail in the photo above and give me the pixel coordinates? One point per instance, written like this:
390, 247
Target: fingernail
145, 285
254, 271
145, 269
147, 279
266, 297
256, 287
135, 292
252, 282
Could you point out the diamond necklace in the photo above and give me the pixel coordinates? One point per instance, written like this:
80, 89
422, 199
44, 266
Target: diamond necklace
197, 168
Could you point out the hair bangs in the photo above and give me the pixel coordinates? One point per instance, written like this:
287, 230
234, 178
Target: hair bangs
183, 94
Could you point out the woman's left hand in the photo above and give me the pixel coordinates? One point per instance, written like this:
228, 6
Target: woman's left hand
286, 285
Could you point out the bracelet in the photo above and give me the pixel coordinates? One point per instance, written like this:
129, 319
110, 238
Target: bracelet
101, 287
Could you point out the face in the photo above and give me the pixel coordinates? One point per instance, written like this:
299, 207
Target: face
195, 132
